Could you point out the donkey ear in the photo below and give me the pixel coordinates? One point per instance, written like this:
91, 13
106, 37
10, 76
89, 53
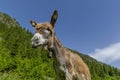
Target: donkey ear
54, 18
33, 23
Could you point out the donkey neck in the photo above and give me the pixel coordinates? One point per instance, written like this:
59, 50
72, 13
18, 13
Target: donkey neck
59, 59
59, 52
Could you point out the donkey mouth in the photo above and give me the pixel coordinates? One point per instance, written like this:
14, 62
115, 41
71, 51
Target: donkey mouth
37, 45
33, 46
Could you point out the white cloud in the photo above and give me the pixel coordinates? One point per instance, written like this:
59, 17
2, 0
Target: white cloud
109, 54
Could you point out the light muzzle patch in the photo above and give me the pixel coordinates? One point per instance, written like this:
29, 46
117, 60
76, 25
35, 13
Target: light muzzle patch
37, 40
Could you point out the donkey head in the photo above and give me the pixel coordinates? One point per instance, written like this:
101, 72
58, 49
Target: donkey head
44, 34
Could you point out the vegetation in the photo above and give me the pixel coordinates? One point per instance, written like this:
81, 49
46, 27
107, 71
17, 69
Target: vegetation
18, 61
101, 71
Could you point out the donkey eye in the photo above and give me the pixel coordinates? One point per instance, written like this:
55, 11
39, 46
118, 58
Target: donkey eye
39, 29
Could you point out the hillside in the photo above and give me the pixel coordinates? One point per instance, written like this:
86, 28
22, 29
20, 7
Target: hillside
18, 61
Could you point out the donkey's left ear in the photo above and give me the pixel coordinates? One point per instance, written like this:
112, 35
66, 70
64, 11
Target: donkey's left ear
33, 23
54, 18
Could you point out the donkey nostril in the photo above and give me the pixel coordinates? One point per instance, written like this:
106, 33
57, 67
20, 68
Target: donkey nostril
37, 42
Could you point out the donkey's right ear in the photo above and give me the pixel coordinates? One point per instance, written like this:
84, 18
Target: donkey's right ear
54, 18
33, 23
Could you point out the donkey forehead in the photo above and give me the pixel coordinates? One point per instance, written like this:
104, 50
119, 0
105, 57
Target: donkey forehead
44, 25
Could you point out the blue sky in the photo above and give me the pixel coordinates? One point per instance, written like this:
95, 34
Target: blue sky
88, 26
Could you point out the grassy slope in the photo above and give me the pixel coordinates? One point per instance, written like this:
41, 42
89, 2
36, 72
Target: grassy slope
18, 61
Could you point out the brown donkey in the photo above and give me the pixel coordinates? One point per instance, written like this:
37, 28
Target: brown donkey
68, 65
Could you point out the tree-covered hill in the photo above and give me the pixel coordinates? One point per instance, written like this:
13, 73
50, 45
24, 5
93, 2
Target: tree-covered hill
18, 61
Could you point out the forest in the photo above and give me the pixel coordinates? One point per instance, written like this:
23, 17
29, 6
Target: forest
19, 61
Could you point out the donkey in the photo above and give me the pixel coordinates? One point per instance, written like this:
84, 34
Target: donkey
68, 65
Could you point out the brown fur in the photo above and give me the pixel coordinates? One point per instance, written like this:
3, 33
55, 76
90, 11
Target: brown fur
71, 63
74, 63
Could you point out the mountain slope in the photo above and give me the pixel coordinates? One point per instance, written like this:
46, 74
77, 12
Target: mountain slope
18, 61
